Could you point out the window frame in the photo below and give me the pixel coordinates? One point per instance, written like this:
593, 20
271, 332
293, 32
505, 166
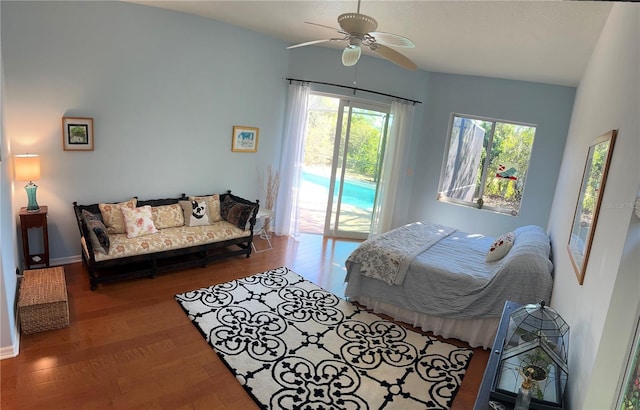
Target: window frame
443, 198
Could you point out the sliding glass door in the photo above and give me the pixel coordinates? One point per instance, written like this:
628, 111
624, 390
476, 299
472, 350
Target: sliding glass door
344, 142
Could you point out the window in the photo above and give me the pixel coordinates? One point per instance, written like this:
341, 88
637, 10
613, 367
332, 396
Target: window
486, 163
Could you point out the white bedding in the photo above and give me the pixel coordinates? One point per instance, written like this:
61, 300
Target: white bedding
451, 280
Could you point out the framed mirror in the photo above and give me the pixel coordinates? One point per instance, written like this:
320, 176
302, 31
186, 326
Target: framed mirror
589, 201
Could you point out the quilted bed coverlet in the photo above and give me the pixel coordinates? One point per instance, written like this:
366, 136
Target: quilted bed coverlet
387, 257
451, 279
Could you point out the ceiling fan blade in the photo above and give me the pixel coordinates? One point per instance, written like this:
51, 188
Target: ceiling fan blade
393, 56
308, 43
391, 39
329, 27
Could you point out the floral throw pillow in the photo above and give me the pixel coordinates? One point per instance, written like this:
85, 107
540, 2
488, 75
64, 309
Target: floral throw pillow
112, 215
501, 246
236, 213
97, 232
195, 213
138, 221
167, 216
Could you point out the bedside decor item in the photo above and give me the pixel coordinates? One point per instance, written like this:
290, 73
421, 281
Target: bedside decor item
77, 134
589, 201
27, 168
292, 344
534, 354
244, 139
524, 394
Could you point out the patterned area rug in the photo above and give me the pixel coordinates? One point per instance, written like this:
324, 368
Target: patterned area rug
293, 345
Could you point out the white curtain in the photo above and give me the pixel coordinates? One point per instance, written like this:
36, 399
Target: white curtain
394, 165
286, 219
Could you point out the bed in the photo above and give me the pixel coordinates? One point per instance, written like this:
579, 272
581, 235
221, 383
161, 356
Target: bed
438, 278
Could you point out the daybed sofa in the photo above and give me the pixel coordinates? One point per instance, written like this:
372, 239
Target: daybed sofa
138, 238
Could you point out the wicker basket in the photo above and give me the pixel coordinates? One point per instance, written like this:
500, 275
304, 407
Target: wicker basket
43, 303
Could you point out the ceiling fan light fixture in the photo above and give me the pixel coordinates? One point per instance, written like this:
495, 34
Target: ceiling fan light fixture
360, 31
351, 55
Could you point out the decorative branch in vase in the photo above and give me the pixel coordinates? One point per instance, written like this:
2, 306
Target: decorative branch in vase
270, 184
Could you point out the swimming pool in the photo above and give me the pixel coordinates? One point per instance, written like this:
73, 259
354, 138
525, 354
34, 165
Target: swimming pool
360, 194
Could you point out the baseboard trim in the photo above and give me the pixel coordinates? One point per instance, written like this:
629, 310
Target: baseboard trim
67, 260
8, 352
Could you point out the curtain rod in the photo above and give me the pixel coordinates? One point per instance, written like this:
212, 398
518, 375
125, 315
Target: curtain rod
354, 89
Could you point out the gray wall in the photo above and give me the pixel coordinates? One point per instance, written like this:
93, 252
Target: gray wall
8, 239
546, 106
603, 311
164, 89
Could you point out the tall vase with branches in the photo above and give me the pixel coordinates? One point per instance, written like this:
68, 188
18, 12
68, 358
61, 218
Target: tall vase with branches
270, 182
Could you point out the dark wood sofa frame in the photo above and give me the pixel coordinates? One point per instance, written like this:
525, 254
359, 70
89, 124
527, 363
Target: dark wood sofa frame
150, 265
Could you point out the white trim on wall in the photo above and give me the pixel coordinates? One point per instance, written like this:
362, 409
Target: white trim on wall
8, 352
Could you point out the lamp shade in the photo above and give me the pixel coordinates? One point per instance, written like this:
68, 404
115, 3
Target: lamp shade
27, 167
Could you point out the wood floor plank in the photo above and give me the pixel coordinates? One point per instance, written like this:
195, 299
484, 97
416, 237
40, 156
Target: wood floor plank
130, 345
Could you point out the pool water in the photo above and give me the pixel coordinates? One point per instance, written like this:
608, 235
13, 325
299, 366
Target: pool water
359, 194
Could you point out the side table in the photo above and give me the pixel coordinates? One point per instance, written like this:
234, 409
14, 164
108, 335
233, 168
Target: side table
482, 400
34, 219
263, 218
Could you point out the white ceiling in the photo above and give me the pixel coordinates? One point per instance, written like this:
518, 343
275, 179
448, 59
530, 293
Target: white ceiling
541, 41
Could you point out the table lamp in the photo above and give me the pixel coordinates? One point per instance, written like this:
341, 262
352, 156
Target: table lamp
27, 168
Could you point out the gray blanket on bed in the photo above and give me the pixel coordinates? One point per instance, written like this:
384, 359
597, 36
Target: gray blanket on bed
452, 279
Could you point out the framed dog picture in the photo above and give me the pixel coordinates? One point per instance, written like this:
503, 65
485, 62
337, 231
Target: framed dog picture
245, 139
77, 134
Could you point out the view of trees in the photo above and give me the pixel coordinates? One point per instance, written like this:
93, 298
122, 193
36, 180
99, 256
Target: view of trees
364, 139
511, 146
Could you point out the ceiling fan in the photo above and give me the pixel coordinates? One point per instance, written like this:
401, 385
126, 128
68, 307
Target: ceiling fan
360, 31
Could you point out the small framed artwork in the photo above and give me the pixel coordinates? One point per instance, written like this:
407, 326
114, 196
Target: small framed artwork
245, 139
77, 134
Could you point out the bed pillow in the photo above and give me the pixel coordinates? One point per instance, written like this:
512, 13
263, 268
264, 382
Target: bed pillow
501, 246
97, 232
213, 206
167, 216
236, 213
138, 221
112, 215
195, 213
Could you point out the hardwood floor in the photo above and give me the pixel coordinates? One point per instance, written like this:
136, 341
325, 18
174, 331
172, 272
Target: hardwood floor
130, 345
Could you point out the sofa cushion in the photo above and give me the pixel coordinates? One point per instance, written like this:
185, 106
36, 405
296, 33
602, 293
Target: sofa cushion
167, 216
213, 206
171, 238
138, 221
195, 213
236, 213
97, 232
112, 215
